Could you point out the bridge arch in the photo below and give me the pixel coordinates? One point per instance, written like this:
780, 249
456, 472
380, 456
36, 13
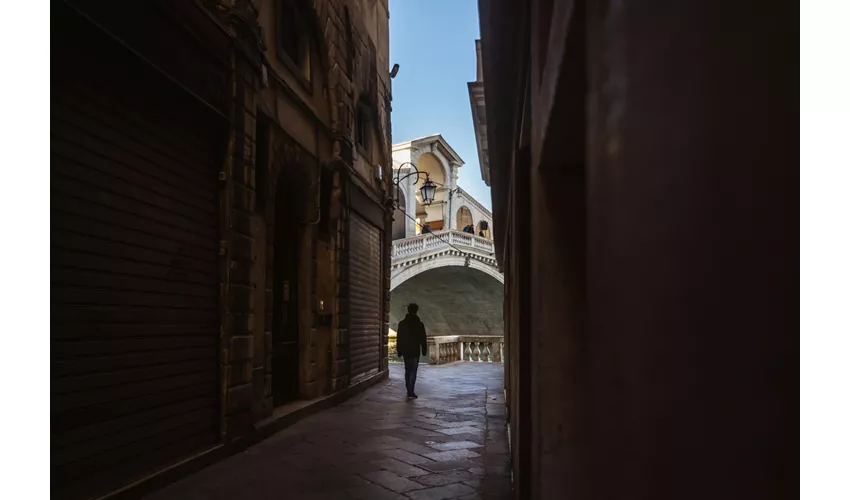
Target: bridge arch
453, 300
450, 258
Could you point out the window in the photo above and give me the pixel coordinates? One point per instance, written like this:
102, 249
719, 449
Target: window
362, 124
361, 130
293, 41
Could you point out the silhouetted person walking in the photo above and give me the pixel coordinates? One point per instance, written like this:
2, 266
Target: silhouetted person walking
410, 340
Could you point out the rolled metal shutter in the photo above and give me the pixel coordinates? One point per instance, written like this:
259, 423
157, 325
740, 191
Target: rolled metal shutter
365, 300
134, 271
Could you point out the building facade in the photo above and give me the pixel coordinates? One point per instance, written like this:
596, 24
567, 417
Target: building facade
221, 226
643, 165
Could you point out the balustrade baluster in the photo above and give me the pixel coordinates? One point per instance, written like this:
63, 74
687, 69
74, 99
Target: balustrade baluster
487, 353
476, 353
467, 352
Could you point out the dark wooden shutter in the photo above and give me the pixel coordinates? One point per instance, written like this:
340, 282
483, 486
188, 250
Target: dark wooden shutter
365, 331
134, 269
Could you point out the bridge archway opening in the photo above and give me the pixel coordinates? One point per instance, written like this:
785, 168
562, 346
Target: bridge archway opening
483, 229
432, 214
430, 164
464, 218
453, 300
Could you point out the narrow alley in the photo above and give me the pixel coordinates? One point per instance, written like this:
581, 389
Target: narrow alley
450, 443
581, 216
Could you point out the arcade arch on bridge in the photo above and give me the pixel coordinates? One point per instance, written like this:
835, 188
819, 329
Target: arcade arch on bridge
464, 218
431, 155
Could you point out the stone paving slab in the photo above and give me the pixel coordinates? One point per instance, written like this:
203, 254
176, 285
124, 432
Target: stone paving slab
448, 444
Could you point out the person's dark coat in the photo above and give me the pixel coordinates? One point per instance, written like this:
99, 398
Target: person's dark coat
411, 337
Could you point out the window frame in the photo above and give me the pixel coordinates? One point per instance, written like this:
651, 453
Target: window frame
304, 75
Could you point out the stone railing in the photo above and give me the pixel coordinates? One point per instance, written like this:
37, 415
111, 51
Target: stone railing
481, 349
437, 239
450, 348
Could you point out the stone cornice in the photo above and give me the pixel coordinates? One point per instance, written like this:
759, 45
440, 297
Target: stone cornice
437, 139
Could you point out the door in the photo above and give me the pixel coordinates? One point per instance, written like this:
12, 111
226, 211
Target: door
365, 300
285, 326
134, 266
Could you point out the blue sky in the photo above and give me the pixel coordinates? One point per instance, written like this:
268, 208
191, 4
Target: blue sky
434, 43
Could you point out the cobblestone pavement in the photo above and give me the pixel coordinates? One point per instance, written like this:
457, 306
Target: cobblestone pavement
448, 444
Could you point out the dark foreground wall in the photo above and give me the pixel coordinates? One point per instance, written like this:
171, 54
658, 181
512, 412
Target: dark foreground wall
653, 336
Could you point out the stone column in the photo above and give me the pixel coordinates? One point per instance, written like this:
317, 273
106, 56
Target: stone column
410, 200
453, 199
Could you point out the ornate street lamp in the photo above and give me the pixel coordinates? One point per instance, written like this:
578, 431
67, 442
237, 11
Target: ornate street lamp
428, 189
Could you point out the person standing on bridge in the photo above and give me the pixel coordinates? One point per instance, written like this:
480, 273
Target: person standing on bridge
409, 341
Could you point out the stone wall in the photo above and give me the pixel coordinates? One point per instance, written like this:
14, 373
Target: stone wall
313, 118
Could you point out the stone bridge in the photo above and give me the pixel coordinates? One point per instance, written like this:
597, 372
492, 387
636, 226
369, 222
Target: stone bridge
454, 278
417, 254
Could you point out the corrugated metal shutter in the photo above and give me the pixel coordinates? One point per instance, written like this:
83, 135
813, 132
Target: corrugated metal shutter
134, 272
365, 330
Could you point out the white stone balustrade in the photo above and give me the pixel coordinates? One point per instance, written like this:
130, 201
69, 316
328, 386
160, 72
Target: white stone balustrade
440, 239
480, 349
417, 254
